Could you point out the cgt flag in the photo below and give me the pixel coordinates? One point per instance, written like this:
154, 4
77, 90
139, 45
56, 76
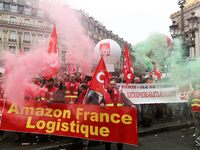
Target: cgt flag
157, 72
104, 49
127, 68
52, 65
100, 80
53, 44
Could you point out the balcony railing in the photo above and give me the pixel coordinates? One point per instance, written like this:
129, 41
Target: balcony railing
6, 22
26, 41
12, 40
20, 9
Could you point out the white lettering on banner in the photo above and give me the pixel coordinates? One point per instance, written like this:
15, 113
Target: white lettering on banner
152, 93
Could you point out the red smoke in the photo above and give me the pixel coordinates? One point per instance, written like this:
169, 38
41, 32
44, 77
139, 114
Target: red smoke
71, 33
20, 71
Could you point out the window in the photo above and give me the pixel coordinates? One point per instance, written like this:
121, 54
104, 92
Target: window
27, 37
14, 8
28, 3
91, 27
26, 49
63, 56
105, 34
6, 7
39, 37
12, 49
101, 32
27, 11
0, 34
1, 6
12, 19
40, 23
34, 12
96, 30
40, 13
27, 21
13, 36
21, 9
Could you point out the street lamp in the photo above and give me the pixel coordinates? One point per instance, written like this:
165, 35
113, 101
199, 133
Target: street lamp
181, 3
193, 22
174, 29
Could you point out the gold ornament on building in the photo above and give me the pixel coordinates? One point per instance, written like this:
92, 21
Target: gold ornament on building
190, 2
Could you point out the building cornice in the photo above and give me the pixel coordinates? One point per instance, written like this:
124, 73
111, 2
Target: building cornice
186, 9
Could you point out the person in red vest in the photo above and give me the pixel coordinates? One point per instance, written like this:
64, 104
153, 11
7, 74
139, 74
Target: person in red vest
82, 92
117, 99
194, 102
50, 90
71, 93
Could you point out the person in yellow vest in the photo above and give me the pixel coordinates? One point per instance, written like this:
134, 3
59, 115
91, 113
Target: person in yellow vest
117, 99
194, 102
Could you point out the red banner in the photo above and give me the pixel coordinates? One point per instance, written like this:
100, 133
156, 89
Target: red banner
112, 124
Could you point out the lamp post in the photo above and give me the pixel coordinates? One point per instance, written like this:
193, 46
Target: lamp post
182, 34
181, 3
174, 29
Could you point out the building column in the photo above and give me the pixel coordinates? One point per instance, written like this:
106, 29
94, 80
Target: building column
192, 52
33, 41
20, 40
5, 38
197, 46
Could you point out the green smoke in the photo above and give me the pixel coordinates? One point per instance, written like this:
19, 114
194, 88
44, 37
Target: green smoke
154, 49
169, 59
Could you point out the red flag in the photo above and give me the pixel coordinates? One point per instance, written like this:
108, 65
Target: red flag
52, 65
50, 69
157, 73
127, 68
53, 45
100, 80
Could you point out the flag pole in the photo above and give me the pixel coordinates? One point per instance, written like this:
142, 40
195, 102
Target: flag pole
86, 94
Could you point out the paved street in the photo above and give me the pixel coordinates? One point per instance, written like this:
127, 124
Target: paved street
176, 140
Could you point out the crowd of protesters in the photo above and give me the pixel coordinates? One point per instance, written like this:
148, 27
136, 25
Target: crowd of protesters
71, 89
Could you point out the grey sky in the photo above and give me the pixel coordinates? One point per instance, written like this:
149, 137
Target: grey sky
132, 20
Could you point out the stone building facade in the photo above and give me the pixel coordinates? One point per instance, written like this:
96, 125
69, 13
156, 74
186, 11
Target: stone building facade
191, 9
23, 25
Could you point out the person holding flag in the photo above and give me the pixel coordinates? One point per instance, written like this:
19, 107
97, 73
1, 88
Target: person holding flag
112, 96
117, 99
